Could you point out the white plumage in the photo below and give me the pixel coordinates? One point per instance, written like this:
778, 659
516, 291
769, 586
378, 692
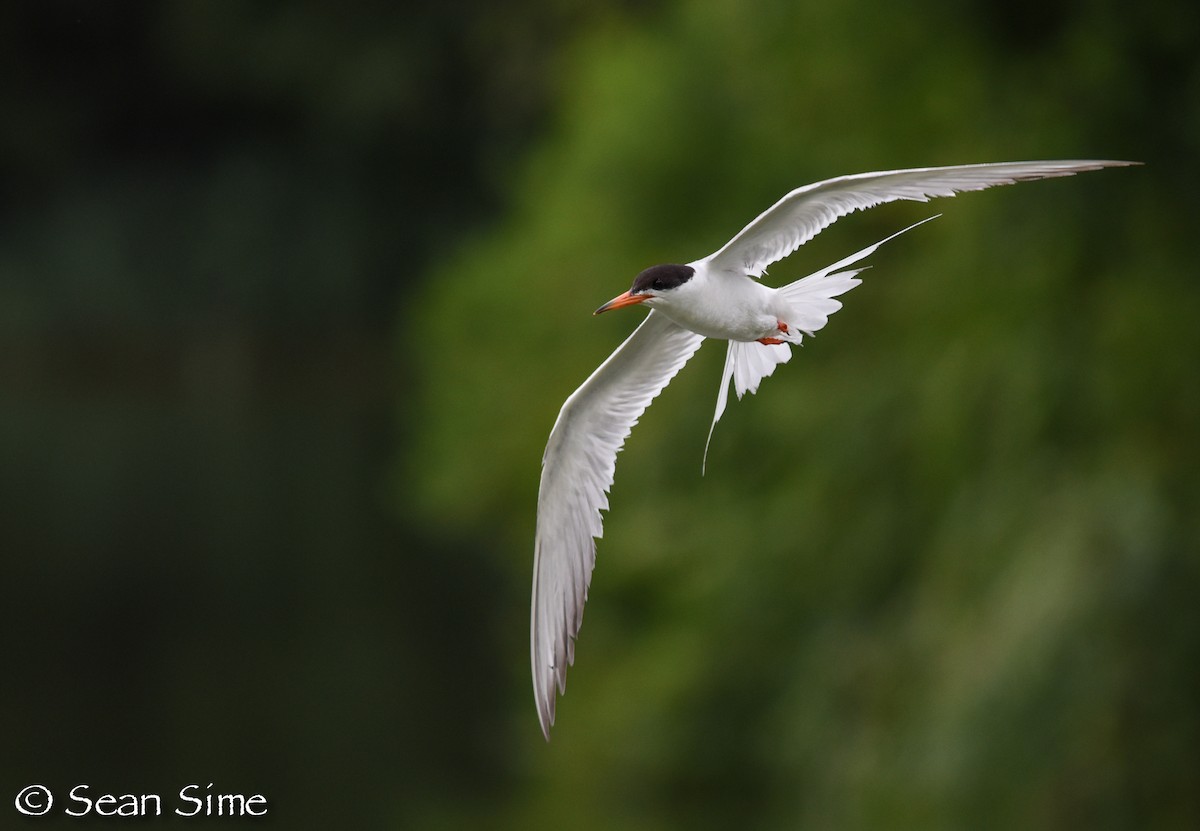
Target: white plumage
713, 297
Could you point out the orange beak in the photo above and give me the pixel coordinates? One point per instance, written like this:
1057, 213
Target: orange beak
620, 300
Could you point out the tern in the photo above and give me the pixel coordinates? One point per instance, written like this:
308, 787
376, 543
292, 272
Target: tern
719, 297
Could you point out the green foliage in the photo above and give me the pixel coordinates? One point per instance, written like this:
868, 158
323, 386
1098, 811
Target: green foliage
942, 571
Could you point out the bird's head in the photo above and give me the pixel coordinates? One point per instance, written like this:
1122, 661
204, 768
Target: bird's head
656, 281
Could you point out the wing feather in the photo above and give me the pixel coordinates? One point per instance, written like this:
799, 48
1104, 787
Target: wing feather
805, 212
577, 471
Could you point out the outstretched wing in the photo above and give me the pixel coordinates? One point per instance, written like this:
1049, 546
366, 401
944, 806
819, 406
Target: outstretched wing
577, 471
806, 211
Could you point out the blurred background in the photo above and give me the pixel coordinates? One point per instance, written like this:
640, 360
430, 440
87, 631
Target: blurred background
290, 297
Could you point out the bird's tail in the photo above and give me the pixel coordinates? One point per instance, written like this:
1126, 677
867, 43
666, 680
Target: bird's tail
812, 297
812, 301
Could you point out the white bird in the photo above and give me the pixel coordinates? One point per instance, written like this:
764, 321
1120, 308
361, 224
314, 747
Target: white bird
716, 297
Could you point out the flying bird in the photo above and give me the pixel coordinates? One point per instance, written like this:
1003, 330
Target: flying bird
721, 297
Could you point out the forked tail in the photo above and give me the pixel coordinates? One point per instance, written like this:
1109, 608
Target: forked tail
812, 301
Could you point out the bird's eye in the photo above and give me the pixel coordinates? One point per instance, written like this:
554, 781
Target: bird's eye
657, 285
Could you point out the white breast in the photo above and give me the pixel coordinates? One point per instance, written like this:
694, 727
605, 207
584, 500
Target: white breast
722, 305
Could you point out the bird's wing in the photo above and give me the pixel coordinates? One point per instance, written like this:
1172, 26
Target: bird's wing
806, 211
577, 471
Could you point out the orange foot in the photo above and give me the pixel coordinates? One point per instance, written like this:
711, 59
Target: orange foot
782, 327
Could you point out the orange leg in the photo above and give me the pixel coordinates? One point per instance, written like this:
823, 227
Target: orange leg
782, 327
